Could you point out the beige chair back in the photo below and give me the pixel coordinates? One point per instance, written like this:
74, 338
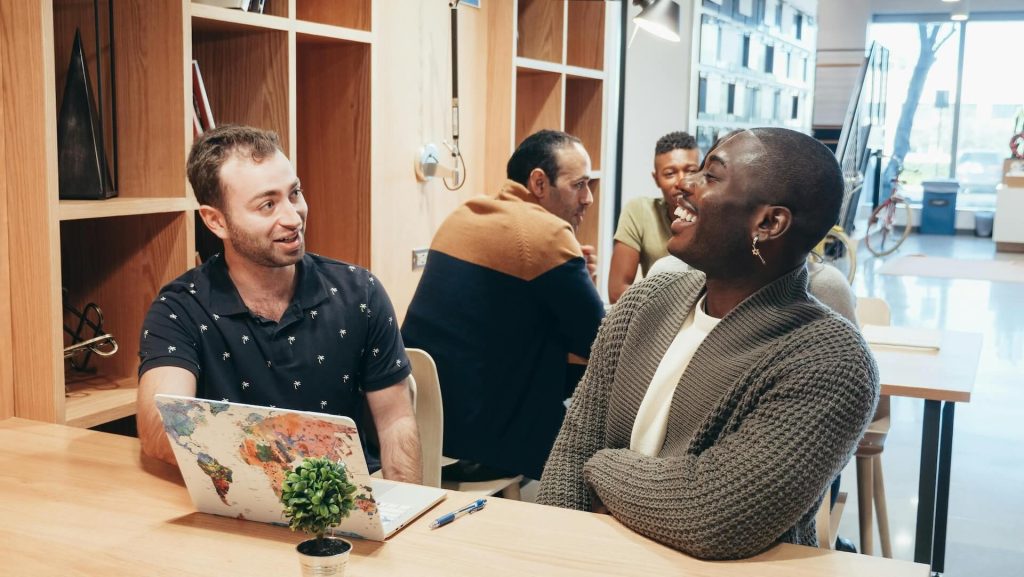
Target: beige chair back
873, 311
426, 392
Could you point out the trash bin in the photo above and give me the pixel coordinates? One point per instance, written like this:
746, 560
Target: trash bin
983, 220
938, 209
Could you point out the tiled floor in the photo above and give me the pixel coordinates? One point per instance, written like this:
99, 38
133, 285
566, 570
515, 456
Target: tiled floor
987, 480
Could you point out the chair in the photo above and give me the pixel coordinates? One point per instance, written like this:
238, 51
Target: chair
426, 399
870, 482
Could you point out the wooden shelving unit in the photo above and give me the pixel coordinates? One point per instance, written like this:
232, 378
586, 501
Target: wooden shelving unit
555, 71
117, 253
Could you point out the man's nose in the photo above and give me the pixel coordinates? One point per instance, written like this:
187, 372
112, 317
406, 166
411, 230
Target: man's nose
588, 197
291, 217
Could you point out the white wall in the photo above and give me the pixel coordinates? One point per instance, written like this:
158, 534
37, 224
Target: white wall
657, 100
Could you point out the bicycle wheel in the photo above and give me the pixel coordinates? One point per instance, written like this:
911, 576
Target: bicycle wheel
839, 252
885, 234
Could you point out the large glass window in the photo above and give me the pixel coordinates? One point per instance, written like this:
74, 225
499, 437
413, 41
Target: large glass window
938, 139
992, 95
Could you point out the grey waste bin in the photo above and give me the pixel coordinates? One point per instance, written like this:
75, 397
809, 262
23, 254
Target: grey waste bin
983, 223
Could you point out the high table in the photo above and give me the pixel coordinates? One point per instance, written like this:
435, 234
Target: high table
79, 502
941, 377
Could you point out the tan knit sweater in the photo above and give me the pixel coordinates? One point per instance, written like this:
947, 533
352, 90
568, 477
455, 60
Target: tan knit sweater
768, 412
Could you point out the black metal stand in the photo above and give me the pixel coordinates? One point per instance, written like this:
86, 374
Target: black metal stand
933, 485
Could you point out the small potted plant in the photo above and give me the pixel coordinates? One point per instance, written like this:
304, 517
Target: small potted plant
317, 495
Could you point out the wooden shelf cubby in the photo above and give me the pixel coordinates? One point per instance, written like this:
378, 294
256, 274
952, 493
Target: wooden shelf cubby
333, 152
584, 101
538, 102
540, 29
302, 70
585, 35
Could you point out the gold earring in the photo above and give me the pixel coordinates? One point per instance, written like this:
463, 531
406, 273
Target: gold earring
756, 251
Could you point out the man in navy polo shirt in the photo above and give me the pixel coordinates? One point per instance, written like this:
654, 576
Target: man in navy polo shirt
264, 322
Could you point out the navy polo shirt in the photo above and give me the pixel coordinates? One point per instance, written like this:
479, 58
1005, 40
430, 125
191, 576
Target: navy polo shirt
338, 339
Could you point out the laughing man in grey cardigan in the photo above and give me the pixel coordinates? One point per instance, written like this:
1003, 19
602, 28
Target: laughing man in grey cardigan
718, 404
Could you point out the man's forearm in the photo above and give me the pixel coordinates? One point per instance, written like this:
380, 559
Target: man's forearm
400, 451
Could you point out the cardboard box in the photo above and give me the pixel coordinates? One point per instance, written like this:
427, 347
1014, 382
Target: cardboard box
1013, 172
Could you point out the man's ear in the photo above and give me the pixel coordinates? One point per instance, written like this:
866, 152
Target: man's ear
538, 183
215, 220
774, 221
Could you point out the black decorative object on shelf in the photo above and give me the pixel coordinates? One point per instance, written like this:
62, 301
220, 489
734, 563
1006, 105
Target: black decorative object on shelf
85, 330
81, 157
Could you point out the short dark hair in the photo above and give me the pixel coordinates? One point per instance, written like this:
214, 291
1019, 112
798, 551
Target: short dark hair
673, 141
214, 147
538, 151
802, 174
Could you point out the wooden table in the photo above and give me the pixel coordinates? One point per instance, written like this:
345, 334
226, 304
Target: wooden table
942, 378
79, 502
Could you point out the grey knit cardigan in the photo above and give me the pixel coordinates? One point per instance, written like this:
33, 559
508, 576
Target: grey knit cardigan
768, 412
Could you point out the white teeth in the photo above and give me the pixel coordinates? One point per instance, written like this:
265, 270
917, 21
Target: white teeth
685, 214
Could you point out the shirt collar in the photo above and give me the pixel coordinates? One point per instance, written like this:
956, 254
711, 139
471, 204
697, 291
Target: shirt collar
512, 190
225, 300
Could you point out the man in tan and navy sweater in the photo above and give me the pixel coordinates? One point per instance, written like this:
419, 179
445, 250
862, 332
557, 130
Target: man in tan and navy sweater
719, 403
507, 295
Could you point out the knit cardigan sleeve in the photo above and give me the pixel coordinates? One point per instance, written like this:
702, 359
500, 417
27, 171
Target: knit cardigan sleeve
766, 470
583, 430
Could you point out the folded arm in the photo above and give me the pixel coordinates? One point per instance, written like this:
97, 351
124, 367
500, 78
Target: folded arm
741, 495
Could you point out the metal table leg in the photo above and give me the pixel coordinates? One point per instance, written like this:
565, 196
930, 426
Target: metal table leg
926, 483
942, 495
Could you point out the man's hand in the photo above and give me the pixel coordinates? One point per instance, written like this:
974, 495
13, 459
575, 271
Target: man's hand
590, 256
167, 380
397, 432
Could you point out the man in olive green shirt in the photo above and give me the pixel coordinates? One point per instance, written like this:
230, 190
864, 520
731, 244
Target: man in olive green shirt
643, 230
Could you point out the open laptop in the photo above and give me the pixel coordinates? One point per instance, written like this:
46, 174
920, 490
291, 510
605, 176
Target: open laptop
234, 458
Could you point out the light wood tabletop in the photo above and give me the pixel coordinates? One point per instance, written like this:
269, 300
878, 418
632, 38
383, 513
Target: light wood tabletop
943, 374
79, 502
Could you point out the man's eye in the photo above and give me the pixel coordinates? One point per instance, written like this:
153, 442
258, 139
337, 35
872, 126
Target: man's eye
267, 205
297, 192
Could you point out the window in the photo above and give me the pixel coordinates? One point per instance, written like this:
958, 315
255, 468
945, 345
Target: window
769, 59
730, 106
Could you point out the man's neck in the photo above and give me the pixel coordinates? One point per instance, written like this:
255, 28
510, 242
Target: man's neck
266, 291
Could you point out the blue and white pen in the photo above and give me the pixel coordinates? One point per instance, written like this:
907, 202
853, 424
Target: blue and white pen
468, 509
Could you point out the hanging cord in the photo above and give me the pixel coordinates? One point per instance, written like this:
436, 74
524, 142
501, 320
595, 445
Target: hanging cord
453, 147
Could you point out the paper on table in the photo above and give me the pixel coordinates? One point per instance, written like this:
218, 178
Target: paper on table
902, 337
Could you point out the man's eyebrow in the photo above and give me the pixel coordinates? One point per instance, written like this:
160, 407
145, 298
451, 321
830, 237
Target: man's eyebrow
715, 158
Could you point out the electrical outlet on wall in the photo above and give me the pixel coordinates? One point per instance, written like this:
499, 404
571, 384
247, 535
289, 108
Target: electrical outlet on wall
419, 258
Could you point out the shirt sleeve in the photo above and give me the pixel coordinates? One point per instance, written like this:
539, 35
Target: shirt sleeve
572, 300
630, 231
384, 360
168, 339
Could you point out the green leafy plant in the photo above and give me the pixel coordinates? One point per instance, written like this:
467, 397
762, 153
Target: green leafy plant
317, 495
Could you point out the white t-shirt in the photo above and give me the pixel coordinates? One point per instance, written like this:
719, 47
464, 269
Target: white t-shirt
652, 418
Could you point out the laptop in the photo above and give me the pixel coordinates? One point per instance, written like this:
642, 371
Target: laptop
234, 458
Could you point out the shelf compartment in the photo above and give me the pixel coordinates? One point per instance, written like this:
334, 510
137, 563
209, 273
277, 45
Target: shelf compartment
246, 76
120, 206
538, 102
540, 28
333, 148
210, 18
585, 42
584, 99
149, 89
120, 264
95, 400
356, 14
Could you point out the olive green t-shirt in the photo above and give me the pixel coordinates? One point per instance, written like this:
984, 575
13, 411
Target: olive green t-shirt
644, 227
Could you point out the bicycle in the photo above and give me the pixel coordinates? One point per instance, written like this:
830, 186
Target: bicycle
837, 250
884, 234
